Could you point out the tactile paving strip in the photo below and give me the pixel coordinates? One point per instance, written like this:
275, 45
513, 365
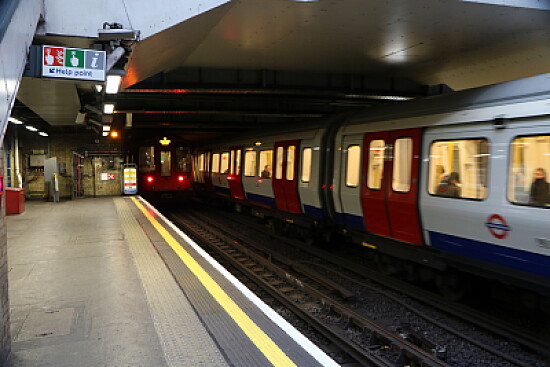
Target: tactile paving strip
184, 339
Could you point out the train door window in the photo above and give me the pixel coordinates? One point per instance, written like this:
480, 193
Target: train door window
528, 171
266, 161
147, 158
165, 163
250, 163
183, 160
402, 161
238, 162
224, 167
279, 168
458, 168
376, 164
216, 163
290, 162
306, 164
200, 163
353, 165
232, 162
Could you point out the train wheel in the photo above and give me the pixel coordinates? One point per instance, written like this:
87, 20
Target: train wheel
385, 264
450, 285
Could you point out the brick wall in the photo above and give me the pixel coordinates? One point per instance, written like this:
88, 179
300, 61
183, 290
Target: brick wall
62, 148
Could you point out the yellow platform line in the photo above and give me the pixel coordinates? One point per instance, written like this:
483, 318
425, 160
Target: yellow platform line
263, 342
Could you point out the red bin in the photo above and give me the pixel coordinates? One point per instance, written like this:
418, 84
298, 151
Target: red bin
15, 200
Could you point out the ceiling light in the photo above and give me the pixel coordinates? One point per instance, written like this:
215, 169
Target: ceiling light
106, 128
15, 121
105, 133
108, 108
98, 88
41, 133
113, 82
31, 128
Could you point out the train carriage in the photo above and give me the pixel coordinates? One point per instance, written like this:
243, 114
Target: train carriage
443, 183
164, 168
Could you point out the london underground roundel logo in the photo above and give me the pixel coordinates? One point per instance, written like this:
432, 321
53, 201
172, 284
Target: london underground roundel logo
497, 226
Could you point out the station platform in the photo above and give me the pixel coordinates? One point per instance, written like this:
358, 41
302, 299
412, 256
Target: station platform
111, 282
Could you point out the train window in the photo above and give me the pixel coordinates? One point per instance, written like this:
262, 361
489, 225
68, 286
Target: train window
165, 163
306, 164
353, 165
458, 168
216, 163
279, 167
402, 160
290, 161
147, 158
183, 160
224, 168
250, 163
238, 162
528, 173
266, 160
376, 164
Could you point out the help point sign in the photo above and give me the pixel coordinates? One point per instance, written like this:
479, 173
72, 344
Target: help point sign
73, 63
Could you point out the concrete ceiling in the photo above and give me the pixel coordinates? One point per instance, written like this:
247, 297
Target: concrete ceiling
276, 56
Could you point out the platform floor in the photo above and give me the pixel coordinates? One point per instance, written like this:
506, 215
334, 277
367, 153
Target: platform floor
88, 287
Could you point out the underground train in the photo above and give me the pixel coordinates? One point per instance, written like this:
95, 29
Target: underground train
164, 168
435, 187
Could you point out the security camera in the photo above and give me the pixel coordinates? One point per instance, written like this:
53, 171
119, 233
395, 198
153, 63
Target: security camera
117, 34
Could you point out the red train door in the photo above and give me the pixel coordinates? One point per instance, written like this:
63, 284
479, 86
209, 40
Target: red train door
390, 194
234, 177
285, 177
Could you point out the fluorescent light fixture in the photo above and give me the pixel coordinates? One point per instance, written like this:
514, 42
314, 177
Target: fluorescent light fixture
98, 87
113, 82
108, 108
31, 128
41, 133
106, 128
15, 121
105, 133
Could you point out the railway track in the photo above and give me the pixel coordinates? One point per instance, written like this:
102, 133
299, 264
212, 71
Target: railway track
345, 308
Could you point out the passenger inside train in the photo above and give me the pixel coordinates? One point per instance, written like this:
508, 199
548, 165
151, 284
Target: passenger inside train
266, 173
540, 189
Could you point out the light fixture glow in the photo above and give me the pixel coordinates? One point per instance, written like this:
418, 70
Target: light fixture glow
15, 121
31, 128
114, 134
41, 133
105, 133
113, 82
108, 108
98, 88
106, 127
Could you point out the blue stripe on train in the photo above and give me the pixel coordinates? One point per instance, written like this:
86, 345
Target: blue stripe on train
222, 190
350, 220
505, 256
313, 212
261, 199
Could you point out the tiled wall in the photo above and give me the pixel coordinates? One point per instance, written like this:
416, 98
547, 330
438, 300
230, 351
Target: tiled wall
5, 338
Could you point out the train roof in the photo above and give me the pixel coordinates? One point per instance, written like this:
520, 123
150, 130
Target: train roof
531, 89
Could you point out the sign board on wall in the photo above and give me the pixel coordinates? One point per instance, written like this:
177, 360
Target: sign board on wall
105, 176
73, 63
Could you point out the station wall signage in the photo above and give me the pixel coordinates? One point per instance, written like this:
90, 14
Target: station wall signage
73, 63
